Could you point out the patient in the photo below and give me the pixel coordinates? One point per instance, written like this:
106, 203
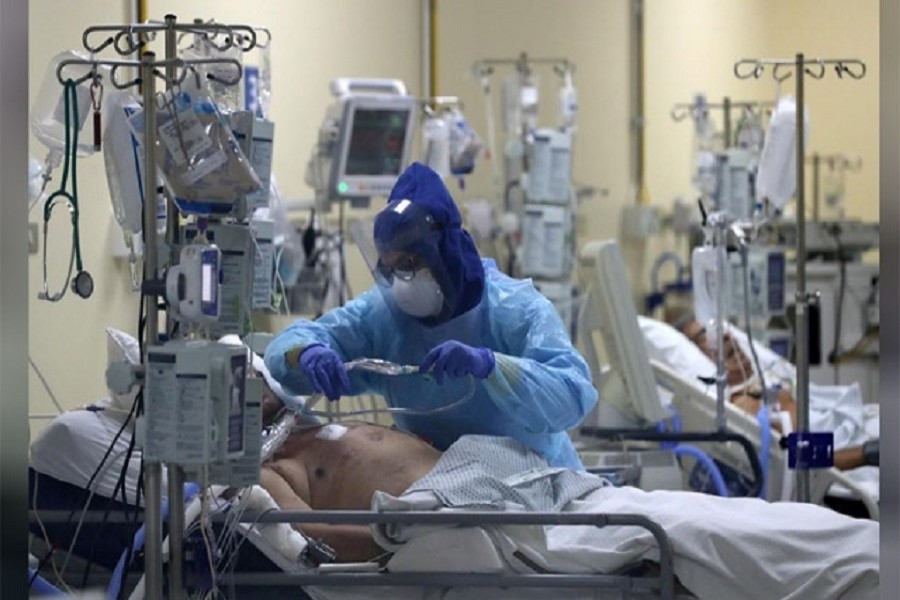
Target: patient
357, 466
740, 375
339, 467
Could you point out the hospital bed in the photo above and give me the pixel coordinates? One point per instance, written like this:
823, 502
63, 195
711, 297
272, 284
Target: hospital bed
855, 492
460, 558
636, 389
488, 554
697, 411
463, 559
65, 455
481, 555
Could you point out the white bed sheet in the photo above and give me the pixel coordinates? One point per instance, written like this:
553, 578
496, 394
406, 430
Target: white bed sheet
737, 548
836, 408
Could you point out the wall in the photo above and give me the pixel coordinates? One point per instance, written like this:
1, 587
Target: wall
313, 42
691, 47
66, 338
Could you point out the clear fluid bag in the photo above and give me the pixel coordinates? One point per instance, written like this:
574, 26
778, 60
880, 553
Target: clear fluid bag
48, 115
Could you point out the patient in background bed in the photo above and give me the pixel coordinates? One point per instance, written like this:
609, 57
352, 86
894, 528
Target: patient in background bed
741, 374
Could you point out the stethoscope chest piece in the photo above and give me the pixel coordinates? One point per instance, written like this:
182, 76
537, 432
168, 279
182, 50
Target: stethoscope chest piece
83, 284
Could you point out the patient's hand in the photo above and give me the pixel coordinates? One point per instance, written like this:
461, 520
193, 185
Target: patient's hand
747, 402
750, 401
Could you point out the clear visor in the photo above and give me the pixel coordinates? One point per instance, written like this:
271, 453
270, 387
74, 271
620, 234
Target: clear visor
404, 258
406, 242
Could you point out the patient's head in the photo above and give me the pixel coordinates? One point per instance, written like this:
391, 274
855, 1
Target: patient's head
738, 366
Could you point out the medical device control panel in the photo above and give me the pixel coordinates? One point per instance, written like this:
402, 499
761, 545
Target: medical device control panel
734, 191
192, 286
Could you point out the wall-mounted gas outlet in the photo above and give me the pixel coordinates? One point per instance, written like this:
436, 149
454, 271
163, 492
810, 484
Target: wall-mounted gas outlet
32, 238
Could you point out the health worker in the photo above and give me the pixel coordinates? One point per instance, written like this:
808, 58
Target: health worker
438, 305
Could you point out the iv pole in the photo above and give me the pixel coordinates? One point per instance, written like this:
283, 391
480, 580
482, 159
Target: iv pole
147, 79
803, 298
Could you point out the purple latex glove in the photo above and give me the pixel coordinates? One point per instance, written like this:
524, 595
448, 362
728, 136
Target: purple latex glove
325, 370
455, 359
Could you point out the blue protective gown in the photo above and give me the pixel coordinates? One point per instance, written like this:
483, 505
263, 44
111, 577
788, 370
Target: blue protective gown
539, 388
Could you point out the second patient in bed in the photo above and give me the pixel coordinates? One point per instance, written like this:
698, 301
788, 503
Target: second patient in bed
739, 370
339, 467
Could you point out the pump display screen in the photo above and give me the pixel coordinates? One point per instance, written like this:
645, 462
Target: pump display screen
377, 142
208, 283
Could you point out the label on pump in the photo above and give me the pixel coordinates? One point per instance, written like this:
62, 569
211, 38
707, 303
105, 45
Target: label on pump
810, 450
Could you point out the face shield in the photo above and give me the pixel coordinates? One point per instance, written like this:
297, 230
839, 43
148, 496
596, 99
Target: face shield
402, 250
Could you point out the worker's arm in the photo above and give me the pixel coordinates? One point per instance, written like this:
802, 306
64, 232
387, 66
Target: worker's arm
346, 329
539, 380
351, 543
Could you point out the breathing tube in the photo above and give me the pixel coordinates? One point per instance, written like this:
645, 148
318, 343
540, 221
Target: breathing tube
384, 367
293, 421
694, 452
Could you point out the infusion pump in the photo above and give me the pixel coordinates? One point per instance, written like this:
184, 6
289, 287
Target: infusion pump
197, 410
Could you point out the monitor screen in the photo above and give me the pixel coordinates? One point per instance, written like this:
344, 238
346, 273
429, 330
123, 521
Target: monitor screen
373, 145
629, 384
377, 139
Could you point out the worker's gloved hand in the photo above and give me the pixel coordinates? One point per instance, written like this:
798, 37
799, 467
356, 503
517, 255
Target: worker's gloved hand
325, 370
455, 359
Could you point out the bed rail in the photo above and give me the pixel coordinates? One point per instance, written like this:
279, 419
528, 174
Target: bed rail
664, 584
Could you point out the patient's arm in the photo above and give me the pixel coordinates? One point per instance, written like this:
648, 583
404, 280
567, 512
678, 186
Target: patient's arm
844, 460
849, 458
750, 402
351, 543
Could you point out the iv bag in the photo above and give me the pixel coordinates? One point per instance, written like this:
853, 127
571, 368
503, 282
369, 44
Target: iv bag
464, 143
35, 181
228, 98
568, 102
704, 169
48, 114
436, 141
776, 180
705, 262
123, 158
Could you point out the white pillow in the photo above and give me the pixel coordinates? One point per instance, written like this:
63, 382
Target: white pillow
122, 347
672, 348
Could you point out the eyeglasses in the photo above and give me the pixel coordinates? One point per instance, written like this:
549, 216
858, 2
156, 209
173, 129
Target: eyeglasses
402, 267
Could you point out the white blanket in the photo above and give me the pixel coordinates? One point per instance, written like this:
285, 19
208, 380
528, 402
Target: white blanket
740, 549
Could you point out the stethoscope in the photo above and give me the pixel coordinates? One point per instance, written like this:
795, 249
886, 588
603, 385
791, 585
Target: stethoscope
83, 283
